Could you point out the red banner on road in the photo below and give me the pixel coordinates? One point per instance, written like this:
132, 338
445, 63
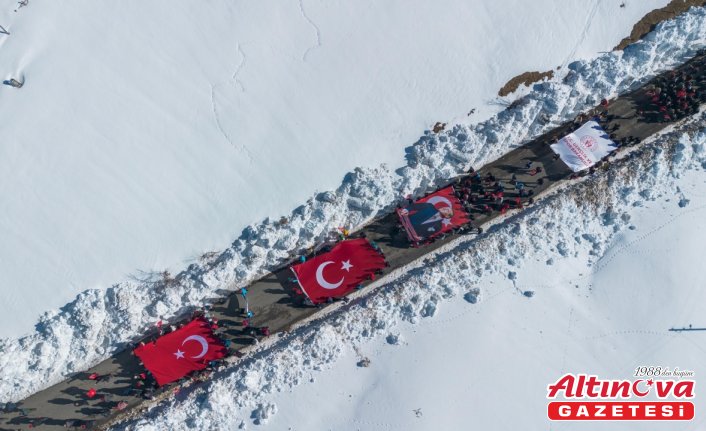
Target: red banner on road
433, 215
338, 272
178, 353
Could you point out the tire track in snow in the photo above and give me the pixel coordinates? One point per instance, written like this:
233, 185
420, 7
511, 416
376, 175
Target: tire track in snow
483, 299
606, 259
240, 147
624, 332
582, 37
240, 66
569, 336
235, 79
316, 29
660, 343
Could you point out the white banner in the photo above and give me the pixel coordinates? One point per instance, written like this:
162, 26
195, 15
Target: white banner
583, 148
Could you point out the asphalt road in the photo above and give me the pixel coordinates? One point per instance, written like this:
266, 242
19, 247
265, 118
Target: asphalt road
273, 301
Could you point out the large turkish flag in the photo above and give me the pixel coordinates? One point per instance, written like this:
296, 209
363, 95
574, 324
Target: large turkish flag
178, 353
433, 215
338, 272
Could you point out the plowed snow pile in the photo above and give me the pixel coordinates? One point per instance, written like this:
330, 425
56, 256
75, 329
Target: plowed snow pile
589, 281
129, 152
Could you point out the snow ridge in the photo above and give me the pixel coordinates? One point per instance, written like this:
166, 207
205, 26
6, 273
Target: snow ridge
587, 25
233, 81
99, 322
316, 30
240, 66
581, 219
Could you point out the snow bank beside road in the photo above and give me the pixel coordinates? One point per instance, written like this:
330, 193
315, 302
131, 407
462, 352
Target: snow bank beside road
578, 231
148, 134
90, 328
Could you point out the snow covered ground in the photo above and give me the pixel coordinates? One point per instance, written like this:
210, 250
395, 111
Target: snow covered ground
613, 263
98, 321
150, 133
487, 366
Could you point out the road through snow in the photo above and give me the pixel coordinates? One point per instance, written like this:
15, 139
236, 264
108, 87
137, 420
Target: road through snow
100, 321
149, 134
613, 262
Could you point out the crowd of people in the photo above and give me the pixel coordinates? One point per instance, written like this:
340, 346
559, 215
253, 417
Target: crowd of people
486, 194
674, 95
671, 96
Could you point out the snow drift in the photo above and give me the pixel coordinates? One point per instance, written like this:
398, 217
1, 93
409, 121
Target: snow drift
575, 227
98, 322
148, 134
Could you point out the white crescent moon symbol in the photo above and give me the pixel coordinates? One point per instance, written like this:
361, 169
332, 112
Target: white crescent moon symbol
200, 339
437, 199
320, 277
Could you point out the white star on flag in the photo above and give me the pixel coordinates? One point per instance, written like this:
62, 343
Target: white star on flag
347, 265
446, 222
179, 354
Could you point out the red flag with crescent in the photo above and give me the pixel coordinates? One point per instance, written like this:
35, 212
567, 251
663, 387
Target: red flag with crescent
433, 215
178, 353
338, 272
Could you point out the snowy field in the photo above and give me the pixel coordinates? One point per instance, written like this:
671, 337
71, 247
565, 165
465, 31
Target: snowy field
99, 321
486, 366
149, 133
613, 263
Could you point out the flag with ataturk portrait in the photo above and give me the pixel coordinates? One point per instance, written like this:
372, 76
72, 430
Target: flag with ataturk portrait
433, 215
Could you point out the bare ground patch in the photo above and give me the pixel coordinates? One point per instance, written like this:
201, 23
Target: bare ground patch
649, 21
639, 30
526, 78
